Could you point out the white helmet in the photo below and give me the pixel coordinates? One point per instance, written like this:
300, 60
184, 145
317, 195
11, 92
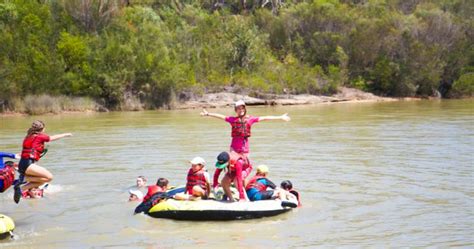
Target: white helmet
198, 160
239, 103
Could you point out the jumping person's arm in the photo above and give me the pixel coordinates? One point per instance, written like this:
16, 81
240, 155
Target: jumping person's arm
283, 117
59, 136
214, 115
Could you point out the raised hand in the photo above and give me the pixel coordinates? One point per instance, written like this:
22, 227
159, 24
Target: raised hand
204, 112
285, 117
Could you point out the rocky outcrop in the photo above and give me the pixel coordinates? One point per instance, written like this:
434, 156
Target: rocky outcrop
223, 99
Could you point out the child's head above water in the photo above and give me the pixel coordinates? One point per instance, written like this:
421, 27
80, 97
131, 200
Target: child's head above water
286, 185
141, 181
35, 193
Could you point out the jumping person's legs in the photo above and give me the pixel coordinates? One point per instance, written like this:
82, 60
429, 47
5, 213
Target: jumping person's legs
36, 176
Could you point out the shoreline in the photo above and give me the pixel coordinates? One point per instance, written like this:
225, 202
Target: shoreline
226, 99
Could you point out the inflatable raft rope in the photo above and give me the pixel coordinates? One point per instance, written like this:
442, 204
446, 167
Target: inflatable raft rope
6, 226
218, 210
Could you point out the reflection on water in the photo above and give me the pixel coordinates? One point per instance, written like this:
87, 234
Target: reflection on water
380, 175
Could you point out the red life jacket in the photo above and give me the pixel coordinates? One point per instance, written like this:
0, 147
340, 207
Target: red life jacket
32, 149
196, 178
234, 157
7, 176
253, 183
241, 128
153, 189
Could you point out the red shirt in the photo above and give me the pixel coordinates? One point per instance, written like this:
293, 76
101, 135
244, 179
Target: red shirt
153, 189
33, 146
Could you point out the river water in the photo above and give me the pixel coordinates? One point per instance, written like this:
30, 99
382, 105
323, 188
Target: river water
398, 174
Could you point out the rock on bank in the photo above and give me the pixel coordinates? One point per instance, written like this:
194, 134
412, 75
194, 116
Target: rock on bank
223, 99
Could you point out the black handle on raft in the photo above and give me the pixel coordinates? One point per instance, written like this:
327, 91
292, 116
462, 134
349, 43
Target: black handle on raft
288, 204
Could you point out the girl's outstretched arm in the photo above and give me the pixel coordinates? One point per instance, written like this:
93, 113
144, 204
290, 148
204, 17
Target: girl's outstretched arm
284, 117
59, 136
214, 115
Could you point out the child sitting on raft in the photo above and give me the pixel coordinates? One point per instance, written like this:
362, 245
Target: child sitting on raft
197, 181
257, 187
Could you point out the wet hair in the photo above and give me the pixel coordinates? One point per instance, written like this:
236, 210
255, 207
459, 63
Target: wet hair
36, 127
286, 185
162, 182
142, 177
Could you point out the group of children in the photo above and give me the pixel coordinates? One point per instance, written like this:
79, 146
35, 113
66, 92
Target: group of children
235, 163
259, 187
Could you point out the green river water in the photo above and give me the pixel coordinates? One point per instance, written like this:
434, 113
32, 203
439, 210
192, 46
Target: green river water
398, 174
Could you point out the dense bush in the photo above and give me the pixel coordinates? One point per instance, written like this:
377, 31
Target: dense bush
140, 54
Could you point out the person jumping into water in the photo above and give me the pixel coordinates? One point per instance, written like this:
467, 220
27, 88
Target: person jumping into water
33, 147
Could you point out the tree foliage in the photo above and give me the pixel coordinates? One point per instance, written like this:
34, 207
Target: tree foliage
148, 51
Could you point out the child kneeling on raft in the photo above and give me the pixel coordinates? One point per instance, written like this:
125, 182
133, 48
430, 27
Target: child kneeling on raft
197, 181
257, 187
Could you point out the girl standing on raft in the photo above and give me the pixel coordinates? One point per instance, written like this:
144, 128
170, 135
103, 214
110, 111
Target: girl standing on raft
241, 126
239, 147
33, 147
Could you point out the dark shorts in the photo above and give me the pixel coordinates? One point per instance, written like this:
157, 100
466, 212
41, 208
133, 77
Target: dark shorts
24, 164
265, 195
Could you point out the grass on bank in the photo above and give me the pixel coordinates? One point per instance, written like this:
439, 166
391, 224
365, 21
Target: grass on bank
41, 104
